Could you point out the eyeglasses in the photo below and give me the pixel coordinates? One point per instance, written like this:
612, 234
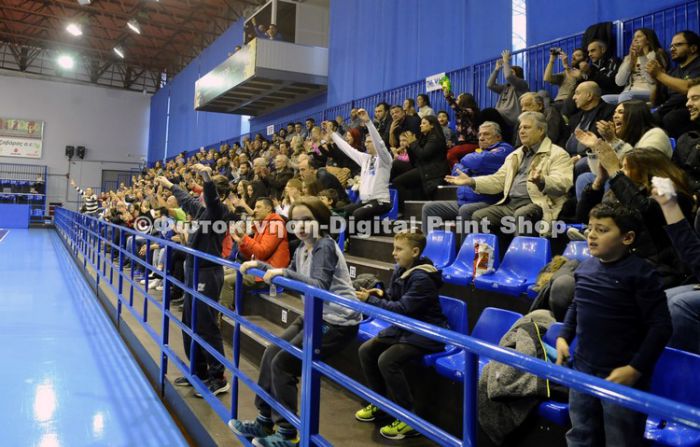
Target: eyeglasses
677, 45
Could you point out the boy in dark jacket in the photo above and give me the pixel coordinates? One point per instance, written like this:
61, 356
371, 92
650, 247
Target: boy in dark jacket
413, 292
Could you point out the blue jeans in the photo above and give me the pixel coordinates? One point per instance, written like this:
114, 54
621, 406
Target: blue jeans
596, 423
684, 306
626, 96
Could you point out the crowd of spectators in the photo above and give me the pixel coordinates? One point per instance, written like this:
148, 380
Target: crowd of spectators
612, 127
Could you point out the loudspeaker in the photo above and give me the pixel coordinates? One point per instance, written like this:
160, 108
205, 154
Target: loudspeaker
81, 151
70, 151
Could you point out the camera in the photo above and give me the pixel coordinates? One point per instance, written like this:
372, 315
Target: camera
555, 51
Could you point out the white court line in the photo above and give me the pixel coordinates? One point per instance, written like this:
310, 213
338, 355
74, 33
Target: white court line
4, 235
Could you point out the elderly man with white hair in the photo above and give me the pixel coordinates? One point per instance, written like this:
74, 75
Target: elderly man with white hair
278, 178
484, 161
533, 181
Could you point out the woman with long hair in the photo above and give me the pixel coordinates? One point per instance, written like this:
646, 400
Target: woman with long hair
630, 183
632, 74
428, 163
632, 126
423, 103
318, 262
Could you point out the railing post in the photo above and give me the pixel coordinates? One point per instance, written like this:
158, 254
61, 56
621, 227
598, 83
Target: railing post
165, 330
134, 266
120, 286
469, 409
98, 255
193, 313
236, 346
310, 379
146, 273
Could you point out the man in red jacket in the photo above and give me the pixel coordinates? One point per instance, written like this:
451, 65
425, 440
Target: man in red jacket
267, 243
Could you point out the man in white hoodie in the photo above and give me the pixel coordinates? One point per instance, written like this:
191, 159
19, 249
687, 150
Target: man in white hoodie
375, 168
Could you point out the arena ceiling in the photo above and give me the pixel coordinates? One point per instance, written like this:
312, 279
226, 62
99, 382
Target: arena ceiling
171, 33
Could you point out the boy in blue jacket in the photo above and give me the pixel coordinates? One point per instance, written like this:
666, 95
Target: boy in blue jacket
413, 292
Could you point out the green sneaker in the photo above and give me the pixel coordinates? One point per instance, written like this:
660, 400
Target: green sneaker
398, 430
367, 414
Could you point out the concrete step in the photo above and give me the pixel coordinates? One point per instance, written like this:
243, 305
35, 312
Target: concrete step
281, 309
376, 248
358, 266
413, 208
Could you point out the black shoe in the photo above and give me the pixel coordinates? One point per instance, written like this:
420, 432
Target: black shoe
182, 381
216, 386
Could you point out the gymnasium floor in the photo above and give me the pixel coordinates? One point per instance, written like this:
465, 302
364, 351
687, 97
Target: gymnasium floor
67, 377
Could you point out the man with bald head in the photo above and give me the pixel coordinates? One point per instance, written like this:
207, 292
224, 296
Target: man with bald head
601, 67
590, 109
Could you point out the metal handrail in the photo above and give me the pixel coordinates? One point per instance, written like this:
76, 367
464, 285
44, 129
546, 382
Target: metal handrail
79, 231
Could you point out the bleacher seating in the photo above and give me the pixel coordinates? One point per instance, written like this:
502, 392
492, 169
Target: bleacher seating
493, 323
455, 311
577, 250
525, 257
461, 271
674, 378
553, 411
440, 248
393, 213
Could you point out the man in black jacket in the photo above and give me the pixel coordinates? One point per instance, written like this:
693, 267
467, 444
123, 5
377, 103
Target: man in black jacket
210, 276
327, 180
277, 180
401, 123
687, 154
591, 109
601, 68
382, 121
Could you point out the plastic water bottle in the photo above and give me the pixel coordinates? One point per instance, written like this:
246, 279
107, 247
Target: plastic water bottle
273, 290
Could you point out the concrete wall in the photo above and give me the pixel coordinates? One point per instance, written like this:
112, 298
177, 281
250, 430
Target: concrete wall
112, 124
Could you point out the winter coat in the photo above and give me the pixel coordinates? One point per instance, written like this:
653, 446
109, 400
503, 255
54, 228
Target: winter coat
269, 245
429, 156
687, 157
554, 164
414, 293
480, 163
507, 395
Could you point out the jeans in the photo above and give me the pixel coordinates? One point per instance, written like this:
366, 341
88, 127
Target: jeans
518, 211
366, 210
642, 95
383, 362
280, 371
684, 306
209, 282
448, 210
596, 423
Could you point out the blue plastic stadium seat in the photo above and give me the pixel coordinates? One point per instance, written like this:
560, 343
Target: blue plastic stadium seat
440, 248
553, 411
523, 261
455, 311
674, 379
461, 272
577, 250
393, 213
493, 323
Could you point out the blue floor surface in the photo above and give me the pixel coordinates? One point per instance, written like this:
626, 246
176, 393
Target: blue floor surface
67, 378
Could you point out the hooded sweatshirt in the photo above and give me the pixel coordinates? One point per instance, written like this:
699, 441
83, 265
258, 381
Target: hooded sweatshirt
413, 292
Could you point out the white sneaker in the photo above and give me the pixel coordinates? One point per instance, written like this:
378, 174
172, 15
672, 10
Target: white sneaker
159, 287
143, 282
154, 283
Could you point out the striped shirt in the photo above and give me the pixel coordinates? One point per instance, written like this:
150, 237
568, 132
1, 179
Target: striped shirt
89, 202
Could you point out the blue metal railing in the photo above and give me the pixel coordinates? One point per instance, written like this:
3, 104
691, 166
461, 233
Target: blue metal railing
90, 238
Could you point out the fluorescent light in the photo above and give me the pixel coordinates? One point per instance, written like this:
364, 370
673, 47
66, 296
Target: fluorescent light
119, 51
65, 61
134, 26
74, 29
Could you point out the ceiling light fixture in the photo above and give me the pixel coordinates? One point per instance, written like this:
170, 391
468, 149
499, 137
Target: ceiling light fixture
119, 51
65, 61
134, 26
84, 2
74, 29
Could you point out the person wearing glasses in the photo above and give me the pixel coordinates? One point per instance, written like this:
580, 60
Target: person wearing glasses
684, 52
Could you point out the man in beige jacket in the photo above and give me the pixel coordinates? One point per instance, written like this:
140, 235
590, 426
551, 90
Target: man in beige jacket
534, 180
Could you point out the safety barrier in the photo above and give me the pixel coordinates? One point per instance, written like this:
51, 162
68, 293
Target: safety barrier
90, 237
664, 22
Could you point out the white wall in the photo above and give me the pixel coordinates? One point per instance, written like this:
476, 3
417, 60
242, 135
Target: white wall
111, 123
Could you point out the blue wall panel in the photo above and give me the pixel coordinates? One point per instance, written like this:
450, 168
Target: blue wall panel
157, 126
380, 45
